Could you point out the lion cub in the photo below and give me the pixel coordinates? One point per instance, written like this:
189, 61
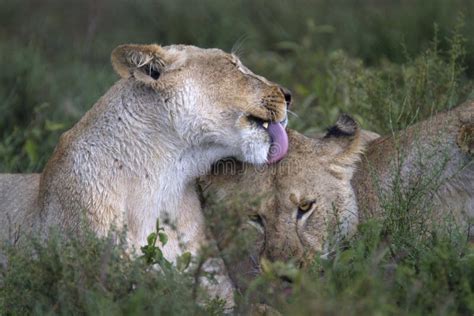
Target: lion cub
325, 185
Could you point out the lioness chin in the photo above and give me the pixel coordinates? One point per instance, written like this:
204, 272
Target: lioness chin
134, 156
317, 195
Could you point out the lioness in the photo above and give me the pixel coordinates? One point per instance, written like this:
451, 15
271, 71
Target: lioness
134, 157
314, 190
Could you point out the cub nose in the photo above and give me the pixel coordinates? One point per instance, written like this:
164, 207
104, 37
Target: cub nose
287, 95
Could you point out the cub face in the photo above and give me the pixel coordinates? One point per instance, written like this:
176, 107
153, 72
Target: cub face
304, 200
210, 98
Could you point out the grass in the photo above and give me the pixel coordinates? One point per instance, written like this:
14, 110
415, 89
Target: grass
389, 64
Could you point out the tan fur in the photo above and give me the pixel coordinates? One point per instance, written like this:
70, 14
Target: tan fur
318, 170
441, 144
135, 154
321, 170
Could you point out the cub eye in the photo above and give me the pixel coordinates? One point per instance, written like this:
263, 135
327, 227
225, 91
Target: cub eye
256, 220
304, 207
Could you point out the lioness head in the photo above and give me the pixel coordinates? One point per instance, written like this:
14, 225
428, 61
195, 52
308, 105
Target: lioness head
305, 198
208, 98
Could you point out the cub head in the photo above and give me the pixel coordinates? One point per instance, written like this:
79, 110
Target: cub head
305, 203
206, 98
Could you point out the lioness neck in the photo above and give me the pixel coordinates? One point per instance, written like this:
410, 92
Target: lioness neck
123, 167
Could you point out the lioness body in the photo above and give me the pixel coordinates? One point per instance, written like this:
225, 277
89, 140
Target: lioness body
134, 156
437, 150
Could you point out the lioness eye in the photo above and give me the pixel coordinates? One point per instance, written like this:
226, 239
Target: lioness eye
304, 207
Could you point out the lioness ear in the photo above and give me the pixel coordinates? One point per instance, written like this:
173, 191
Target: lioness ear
347, 141
143, 62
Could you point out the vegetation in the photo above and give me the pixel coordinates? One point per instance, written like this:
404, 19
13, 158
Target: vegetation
387, 63
87, 275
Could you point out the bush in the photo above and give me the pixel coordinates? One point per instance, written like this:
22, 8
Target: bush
83, 274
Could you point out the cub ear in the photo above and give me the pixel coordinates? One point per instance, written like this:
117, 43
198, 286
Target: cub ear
347, 141
143, 62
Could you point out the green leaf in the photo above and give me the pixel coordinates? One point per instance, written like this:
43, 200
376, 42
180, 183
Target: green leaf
163, 238
151, 239
31, 150
183, 261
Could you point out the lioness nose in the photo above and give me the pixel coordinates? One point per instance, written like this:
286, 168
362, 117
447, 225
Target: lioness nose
287, 95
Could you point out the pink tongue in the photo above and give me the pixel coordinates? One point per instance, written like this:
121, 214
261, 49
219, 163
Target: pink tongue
279, 146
